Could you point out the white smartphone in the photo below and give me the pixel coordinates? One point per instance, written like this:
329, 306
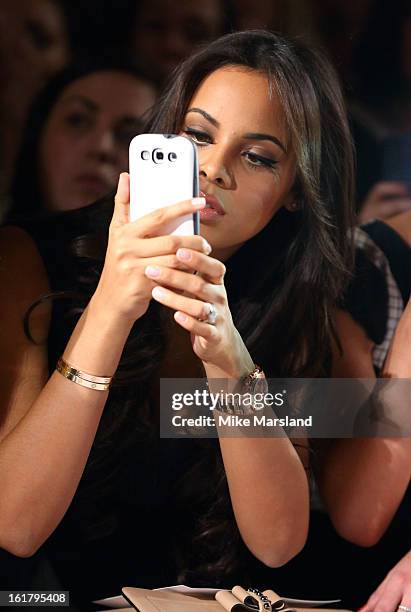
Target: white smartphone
163, 171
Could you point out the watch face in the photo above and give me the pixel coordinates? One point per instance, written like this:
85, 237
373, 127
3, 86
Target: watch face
259, 385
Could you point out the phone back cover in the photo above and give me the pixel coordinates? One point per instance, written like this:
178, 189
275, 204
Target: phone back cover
154, 185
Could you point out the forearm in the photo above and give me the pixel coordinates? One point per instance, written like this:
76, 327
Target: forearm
267, 482
362, 482
43, 457
269, 493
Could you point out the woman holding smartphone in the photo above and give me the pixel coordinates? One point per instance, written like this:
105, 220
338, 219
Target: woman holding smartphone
272, 260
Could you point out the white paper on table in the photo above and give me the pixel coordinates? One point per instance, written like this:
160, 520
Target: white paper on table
113, 602
120, 602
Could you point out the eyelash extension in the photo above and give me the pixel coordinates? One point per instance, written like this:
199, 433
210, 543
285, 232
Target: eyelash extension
261, 163
196, 135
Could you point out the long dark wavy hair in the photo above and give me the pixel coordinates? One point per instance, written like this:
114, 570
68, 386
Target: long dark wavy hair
283, 308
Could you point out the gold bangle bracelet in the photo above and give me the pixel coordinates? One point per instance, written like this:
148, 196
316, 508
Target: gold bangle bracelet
99, 383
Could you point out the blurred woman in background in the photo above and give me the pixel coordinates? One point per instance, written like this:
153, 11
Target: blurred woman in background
77, 136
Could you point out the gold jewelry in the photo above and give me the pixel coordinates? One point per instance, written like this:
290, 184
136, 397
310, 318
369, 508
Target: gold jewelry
99, 383
249, 385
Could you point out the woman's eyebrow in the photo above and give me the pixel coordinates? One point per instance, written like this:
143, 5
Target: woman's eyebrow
250, 136
84, 101
205, 115
273, 139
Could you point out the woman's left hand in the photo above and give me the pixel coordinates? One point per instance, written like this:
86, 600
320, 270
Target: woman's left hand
218, 345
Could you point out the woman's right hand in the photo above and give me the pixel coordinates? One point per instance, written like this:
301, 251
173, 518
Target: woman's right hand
124, 290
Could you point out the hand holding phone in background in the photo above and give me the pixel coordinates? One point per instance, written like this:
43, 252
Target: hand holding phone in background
384, 200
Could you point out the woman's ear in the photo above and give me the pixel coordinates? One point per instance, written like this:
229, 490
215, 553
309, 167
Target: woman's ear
294, 200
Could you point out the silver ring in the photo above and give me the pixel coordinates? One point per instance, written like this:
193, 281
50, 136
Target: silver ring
212, 318
405, 608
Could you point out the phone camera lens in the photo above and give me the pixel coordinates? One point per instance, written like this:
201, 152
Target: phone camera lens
172, 156
145, 155
158, 156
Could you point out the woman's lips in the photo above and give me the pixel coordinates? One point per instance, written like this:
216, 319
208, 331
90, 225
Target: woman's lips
213, 209
93, 184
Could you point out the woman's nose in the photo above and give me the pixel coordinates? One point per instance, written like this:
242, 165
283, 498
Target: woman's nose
215, 169
103, 146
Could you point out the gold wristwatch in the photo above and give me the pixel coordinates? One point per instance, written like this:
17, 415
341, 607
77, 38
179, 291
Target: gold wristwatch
248, 386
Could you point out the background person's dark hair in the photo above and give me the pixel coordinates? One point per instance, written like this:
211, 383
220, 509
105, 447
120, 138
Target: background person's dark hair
282, 285
378, 62
25, 194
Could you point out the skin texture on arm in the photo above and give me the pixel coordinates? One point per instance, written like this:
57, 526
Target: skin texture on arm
363, 480
269, 493
267, 482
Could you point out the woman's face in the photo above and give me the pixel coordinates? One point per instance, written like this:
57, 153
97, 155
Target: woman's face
34, 42
168, 31
247, 169
84, 145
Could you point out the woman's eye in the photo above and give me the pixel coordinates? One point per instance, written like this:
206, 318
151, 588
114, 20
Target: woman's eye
197, 136
77, 120
259, 161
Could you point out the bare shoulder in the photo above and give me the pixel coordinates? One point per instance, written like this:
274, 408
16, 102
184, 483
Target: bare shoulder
23, 279
402, 225
23, 362
20, 258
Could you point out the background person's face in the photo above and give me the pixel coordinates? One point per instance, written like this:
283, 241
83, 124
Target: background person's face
33, 38
168, 31
244, 155
84, 145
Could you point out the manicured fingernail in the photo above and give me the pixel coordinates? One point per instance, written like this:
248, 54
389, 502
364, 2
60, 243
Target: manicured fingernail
183, 254
180, 316
198, 202
206, 247
121, 177
152, 271
157, 293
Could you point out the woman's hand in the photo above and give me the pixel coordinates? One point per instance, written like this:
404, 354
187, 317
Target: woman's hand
219, 346
394, 590
124, 290
384, 200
